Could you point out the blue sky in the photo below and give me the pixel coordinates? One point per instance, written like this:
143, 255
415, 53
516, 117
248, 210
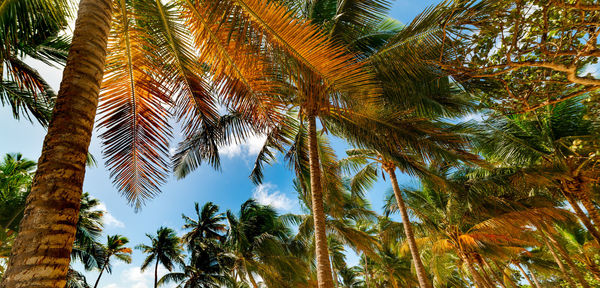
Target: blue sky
228, 188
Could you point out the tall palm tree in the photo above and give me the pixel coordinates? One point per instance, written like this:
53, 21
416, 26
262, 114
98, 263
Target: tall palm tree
115, 246
372, 162
164, 249
51, 214
152, 56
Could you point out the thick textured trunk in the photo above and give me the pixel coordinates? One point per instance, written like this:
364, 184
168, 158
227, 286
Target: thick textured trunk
474, 273
561, 266
41, 252
526, 275
565, 255
410, 237
323, 265
581, 215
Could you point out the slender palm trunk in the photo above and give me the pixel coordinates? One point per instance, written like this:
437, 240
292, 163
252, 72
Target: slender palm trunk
410, 237
494, 276
505, 275
526, 275
565, 255
486, 277
561, 266
324, 278
41, 252
476, 276
335, 276
100, 275
156, 273
367, 275
254, 284
582, 216
393, 280
537, 282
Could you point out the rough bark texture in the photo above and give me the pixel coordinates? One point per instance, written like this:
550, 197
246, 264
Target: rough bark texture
41, 252
410, 237
323, 265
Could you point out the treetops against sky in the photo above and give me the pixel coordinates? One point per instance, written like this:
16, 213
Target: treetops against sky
228, 188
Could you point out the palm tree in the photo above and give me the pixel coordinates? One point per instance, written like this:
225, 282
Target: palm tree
207, 267
31, 28
550, 148
164, 249
208, 225
151, 59
115, 246
258, 239
372, 162
57, 187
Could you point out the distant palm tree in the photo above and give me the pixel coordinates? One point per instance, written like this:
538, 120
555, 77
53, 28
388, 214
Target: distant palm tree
207, 267
207, 225
258, 240
115, 246
164, 249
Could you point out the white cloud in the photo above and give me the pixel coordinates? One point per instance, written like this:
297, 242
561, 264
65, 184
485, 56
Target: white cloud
250, 147
133, 277
267, 194
109, 219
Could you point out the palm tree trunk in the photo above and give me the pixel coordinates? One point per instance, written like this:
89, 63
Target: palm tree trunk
494, 276
556, 259
156, 273
254, 284
335, 276
100, 275
537, 283
367, 275
41, 252
476, 276
581, 215
393, 280
526, 275
324, 278
565, 255
252, 281
410, 237
505, 275
486, 277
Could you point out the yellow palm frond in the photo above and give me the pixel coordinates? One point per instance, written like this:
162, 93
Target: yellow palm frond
134, 115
